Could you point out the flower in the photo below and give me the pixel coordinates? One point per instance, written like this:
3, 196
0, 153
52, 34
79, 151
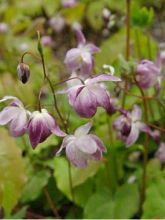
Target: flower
129, 126
41, 125
4, 27
82, 146
46, 41
68, 3
81, 58
160, 154
57, 23
15, 115
148, 74
23, 72
85, 98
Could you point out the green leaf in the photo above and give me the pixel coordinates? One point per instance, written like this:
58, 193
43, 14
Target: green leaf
154, 206
126, 196
79, 178
113, 207
109, 50
35, 185
12, 173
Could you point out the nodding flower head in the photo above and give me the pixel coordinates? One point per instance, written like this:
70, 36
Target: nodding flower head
23, 72
82, 146
160, 154
41, 125
128, 126
148, 74
81, 58
85, 98
14, 115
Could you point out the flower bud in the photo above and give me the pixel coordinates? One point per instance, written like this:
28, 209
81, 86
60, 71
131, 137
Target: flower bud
23, 72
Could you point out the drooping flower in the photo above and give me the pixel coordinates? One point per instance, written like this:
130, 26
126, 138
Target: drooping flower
41, 125
23, 72
85, 98
160, 154
148, 74
82, 146
14, 115
129, 125
81, 58
46, 41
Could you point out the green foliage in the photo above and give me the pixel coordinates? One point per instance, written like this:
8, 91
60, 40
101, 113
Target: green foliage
12, 174
113, 207
155, 193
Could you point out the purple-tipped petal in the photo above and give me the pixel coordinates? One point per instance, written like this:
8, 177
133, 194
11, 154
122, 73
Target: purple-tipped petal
102, 78
86, 103
86, 144
98, 142
133, 136
73, 93
83, 130
97, 155
80, 38
92, 48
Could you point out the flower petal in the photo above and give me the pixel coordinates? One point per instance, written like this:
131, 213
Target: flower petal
19, 124
86, 144
92, 48
73, 59
133, 136
73, 93
136, 113
75, 156
103, 77
67, 140
7, 114
83, 130
17, 101
38, 131
80, 37
103, 98
87, 63
98, 142
86, 103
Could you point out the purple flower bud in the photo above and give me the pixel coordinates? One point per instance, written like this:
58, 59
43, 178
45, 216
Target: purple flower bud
85, 98
41, 126
160, 154
23, 72
15, 116
128, 126
81, 58
148, 74
82, 147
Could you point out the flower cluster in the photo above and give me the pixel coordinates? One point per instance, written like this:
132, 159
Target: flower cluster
86, 92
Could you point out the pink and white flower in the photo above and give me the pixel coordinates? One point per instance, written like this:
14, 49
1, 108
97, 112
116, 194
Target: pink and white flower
41, 125
81, 58
82, 146
68, 3
85, 98
14, 115
128, 126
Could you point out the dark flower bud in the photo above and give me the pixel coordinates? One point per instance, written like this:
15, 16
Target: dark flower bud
23, 72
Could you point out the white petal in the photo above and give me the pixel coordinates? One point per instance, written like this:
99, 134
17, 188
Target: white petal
82, 130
